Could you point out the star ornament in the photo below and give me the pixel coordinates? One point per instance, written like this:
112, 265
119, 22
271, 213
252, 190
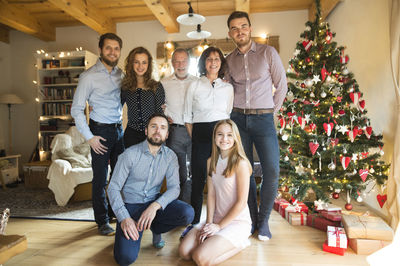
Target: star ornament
342, 129
307, 118
316, 79
354, 157
296, 52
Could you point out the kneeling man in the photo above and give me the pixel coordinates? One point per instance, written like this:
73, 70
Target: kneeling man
134, 192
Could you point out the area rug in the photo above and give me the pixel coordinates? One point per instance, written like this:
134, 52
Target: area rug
40, 204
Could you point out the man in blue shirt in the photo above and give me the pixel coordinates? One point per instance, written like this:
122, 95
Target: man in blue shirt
100, 87
134, 192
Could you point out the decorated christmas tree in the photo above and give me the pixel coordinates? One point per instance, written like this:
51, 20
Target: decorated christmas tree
327, 143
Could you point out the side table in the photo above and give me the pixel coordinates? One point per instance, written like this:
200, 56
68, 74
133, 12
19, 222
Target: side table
10, 173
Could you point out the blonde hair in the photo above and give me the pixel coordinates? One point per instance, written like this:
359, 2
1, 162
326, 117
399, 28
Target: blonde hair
236, 153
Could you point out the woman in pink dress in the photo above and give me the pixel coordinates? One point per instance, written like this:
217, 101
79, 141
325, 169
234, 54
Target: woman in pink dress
228, 223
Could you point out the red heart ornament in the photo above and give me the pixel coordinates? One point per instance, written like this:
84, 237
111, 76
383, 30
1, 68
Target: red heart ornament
344, 59
355, 97
328, 128
363, 174
368, 132
301, 122
324, 72
352, 134
339, 99
307, 45
361, 105
282, 121
313, 147
381, 199
345, 161
313, 126
341, 112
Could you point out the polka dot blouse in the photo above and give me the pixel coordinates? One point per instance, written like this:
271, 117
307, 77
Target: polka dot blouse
141, 105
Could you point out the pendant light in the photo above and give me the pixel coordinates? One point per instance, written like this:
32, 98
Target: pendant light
191, 18
198, 34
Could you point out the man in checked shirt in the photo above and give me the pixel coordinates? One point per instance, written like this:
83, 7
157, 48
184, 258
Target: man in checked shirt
253, 71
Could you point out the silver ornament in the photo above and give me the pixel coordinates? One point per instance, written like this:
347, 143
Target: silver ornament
290, 96
312, 95
371, 170
381, 152
337, 190
286, 158
359, 199
344, 151
308, 82
285, 137
332, 166
323, 94
345, 71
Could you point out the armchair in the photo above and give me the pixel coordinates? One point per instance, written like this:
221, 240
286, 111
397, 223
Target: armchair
71, 164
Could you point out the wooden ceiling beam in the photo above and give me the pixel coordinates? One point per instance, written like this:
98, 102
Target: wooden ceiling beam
4, 34
242, 5
163, 11
326, 8
21, 20
86, 13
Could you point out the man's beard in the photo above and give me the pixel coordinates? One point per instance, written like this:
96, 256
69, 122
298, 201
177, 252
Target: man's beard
154, 142
108, 62
244, 42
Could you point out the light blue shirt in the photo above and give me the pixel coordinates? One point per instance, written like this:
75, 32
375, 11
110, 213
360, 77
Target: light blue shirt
103, 92
138, 177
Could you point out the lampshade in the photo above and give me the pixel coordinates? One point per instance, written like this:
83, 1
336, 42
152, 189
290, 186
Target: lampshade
198, 34
10, 99
190, 18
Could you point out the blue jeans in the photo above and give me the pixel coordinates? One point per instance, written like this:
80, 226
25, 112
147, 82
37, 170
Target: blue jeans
177, 213
115, 146
260, 131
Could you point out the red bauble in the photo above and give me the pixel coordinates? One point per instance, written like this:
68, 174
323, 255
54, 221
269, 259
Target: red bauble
348, 206
303, 85
335, 195
308, 60
336, 75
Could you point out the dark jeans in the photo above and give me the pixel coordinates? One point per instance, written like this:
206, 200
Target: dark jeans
133, 137
177, 213
179, 141
260, 131
115, 147
201, 151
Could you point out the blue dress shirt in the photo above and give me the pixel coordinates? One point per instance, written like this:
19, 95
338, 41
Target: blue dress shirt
103, 92
138, 177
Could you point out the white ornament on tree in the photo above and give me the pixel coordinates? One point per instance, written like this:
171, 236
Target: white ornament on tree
323, 94
285, 137
359, 199
316, 79
308, 82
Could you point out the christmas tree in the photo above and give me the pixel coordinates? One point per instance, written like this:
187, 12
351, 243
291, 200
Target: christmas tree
327, 143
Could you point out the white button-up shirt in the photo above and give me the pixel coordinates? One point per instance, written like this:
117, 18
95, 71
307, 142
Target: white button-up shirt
208, 103
175, 92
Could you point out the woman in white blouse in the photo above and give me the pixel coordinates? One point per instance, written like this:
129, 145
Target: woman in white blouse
208, 100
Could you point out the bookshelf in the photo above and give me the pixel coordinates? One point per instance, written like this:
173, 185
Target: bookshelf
57, 79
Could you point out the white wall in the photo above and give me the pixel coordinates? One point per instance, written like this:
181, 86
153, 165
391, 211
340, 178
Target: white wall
5, 87
365, 33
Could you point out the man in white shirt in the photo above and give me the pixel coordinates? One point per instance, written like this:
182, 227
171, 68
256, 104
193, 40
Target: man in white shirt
175, 87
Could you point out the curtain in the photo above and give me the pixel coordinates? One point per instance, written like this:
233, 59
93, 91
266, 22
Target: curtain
394, 176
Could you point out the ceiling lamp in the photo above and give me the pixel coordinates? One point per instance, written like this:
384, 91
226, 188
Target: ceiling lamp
191, 18
198, 34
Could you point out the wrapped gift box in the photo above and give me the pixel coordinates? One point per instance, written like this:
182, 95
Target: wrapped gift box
284, 209
334, 250
316, 220
332, 215
367, 227
297, 218
277, 202
336, 237
366, 246
331, 207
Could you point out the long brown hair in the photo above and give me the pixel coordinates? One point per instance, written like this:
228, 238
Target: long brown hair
130, 82
236, 153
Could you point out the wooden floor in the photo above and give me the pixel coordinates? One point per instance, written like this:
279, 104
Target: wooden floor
69, 243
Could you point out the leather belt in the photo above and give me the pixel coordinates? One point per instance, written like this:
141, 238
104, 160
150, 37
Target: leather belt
92, 122
253, 111
177, 125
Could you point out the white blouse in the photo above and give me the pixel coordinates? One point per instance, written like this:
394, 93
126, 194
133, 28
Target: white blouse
206, 102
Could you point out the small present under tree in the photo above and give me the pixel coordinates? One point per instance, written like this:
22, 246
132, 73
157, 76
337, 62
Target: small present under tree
327, 142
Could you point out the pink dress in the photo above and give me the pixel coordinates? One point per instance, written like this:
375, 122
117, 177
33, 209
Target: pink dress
238, 230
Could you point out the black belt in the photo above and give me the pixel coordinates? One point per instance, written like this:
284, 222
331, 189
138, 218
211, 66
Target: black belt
92, 122
177, 125
253, 111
